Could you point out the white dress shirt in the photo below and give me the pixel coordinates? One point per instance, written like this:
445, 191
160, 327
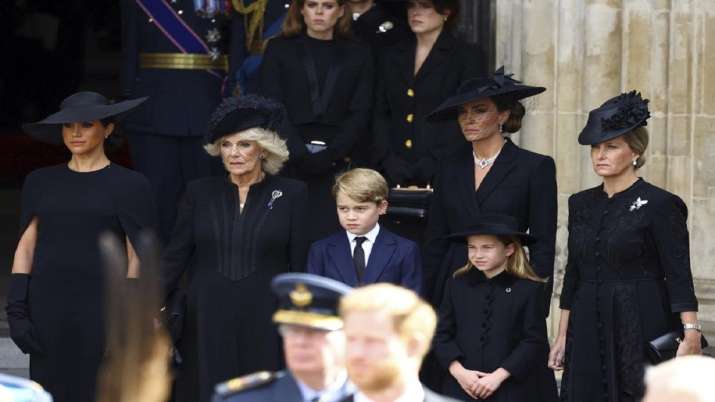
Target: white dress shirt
371, 236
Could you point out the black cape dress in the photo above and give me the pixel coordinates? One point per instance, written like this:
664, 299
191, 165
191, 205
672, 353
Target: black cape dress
627, 278
66, 294
231, 255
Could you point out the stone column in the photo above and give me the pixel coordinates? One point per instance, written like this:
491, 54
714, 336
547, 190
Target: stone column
586, 51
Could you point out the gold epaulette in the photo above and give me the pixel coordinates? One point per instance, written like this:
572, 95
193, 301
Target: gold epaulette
245, 382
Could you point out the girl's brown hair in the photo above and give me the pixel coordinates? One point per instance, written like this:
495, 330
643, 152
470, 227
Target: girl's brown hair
517, 264
294, 25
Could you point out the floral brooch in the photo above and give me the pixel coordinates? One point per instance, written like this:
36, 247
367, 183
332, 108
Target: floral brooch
637, 204
276, 194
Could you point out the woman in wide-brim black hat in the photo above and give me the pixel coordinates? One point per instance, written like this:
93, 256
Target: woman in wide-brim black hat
234, 234
491, 335
628, 279
56, 298
492, 176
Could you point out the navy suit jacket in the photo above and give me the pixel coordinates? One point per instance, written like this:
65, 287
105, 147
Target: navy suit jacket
392, 259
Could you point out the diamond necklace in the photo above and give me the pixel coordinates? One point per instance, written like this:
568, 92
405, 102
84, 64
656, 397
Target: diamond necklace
483, 163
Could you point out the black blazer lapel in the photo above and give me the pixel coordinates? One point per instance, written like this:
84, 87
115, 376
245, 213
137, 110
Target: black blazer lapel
404, 58
340, 255
331, 79
311, 73
380, 255
463, 176
439, 54
498, 172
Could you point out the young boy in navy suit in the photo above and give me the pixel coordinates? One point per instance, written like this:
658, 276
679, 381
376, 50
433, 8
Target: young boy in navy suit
364, 252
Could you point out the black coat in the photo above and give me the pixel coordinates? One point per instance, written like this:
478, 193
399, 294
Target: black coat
419, 144
520, 183
486, 324
627, 278
334, 108
180, 101
232, 255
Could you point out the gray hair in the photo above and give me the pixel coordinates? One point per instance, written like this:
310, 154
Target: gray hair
686, 378
274, 146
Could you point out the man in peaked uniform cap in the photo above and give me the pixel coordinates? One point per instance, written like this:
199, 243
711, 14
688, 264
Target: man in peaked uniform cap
313, 343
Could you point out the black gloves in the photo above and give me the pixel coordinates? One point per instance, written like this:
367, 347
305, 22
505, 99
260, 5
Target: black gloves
22, 331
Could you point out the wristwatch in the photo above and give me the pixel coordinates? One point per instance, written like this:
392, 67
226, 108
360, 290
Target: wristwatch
696, 326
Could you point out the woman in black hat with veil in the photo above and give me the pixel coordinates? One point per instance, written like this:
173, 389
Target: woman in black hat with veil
628, 279
492, 176
56, 301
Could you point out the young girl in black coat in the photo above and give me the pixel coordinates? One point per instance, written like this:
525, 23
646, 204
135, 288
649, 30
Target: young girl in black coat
491, 334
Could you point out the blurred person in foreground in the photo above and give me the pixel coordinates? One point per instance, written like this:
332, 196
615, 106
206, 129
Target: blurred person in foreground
313, 345
389, 330
685, 379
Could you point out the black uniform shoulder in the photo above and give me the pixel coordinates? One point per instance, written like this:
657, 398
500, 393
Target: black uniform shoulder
234, 389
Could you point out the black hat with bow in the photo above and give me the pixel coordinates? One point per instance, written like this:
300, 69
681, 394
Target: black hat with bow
499, 84
615, 117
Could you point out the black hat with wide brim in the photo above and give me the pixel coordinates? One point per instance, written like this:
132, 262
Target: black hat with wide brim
499, 84
79, 107
495, 225
238, 113
617, 116
308, 300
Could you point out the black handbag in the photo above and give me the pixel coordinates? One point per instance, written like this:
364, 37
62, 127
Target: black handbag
665, 346
410, 201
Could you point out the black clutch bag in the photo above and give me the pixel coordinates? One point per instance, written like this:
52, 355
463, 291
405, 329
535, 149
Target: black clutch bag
665, 346
410, 201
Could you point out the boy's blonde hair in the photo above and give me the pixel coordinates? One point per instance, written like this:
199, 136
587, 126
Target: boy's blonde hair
361, 185
517, 264
411, 316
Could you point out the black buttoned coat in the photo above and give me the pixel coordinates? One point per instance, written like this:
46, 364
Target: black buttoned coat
486, 324
627, 278
403, 100
520, 183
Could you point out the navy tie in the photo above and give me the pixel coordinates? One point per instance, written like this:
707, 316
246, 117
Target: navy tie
359, 257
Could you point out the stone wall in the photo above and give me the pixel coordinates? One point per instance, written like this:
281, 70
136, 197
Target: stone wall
586, 51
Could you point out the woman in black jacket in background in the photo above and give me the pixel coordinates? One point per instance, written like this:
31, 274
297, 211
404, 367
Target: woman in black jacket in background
325, 81
414, 78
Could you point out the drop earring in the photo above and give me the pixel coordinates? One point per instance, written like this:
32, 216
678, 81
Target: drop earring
635, 162
501, 127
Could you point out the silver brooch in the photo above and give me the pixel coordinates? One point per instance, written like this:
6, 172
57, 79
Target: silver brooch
213, 35
214, 54
508, 290
637, 204
276, 194
385, 26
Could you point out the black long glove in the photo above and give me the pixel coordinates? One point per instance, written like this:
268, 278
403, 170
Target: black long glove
22, 331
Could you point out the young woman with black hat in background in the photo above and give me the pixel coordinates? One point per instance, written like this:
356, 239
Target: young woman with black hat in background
491, 334
233, 234
494, 176
628, 278
414, 77
56, 300
324, 79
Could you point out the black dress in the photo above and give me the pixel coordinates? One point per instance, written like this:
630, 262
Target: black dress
232, 255
627, 277
486, 324
326, 87
66, 294
403, 136
520, 183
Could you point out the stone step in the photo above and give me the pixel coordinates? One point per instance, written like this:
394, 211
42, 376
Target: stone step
12, 361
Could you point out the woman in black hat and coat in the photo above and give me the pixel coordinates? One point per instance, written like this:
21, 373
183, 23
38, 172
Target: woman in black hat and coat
491, 334
233, 234
56, 300
414, 78
324, 79
628, 278
492, 176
